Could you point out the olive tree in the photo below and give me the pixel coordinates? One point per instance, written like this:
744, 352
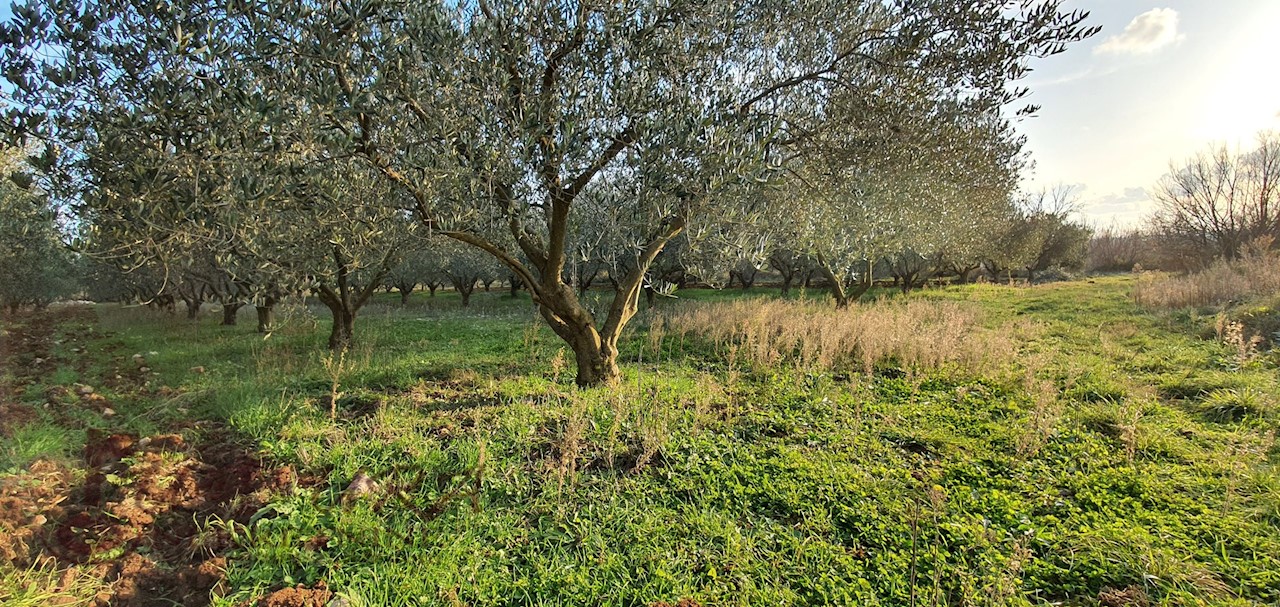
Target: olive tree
464, 266
36, 267
903, 179
496, 118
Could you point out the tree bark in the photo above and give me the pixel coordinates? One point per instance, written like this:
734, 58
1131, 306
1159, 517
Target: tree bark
464, 288
596, 355
229, 312
404, 295
347, 299
265, 313
842, 295
344, 325
193, 308
585, 281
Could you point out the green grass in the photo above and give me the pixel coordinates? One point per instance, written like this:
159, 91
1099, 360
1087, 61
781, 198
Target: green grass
1118, 451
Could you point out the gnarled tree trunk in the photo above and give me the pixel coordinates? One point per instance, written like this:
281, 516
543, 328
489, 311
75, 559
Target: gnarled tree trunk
229, 312
345, 300
266, 311
465, 288
844, 296
595, 349
193, 307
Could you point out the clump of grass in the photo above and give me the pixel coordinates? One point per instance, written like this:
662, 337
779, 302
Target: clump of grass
44, 584
1045, 413
31, 441
1231, 405
1255, 274
917, 335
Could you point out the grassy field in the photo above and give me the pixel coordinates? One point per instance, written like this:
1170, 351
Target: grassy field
1045, 445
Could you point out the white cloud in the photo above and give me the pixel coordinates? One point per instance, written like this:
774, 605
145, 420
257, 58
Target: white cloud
1127, 207
1147, 33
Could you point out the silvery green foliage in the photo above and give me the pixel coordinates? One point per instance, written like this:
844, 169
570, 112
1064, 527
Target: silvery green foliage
35, 266
496, 119
920, 174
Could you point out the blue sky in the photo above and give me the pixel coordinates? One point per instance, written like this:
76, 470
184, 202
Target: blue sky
1162, 81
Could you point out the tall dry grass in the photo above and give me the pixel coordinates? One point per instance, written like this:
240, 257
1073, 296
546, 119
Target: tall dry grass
915, 334
1254, 274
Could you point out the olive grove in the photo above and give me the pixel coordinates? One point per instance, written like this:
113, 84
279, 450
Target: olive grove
271, 131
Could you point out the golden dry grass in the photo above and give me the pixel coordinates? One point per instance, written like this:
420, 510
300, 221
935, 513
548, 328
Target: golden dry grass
913, 334
1257, 274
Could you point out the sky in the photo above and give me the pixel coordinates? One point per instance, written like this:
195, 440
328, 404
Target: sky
1161, 82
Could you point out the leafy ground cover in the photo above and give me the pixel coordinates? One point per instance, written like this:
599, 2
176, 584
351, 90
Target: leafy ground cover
1108, 456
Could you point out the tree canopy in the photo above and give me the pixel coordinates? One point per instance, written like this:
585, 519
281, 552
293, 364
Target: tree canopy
492, 122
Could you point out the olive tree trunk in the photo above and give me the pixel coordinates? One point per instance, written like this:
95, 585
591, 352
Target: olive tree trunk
266, 310
229, 312
344, 300
595, 348
193, 307
842, 294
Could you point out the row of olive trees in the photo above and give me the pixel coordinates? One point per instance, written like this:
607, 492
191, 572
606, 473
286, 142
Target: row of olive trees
36, 266
301, 144
1017, 236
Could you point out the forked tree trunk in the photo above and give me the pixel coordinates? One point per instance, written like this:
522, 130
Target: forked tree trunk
595, 350
596, 354
585, 281
786, 282
229, 312
465, 288
405, 292
844, 296
193, 308
431, 288
346, 300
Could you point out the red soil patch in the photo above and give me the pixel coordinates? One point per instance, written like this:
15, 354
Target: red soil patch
132, 521
143, 500
299, 596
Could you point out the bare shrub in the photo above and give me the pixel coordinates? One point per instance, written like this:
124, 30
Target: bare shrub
1117, 249
1255, 274
914, 334
1232, 333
